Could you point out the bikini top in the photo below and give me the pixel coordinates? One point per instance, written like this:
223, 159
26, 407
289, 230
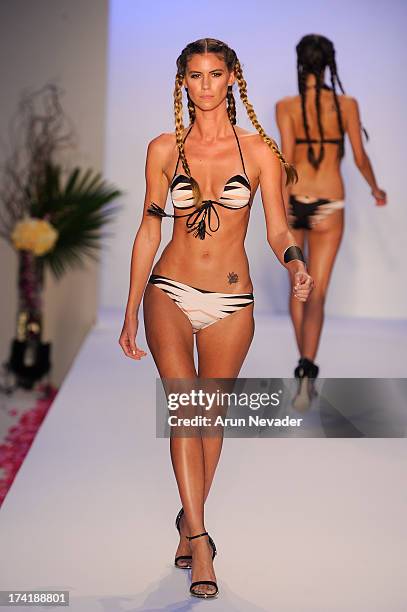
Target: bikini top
236, 194
337, 141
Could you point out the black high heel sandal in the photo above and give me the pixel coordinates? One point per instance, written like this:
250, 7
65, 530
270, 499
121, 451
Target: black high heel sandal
180, 557
204, 582
306, 372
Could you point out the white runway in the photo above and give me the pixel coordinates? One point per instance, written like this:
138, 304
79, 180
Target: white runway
301, 525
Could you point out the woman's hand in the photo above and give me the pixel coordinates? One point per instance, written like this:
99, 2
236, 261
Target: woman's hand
302, 284
380, 196
127, 338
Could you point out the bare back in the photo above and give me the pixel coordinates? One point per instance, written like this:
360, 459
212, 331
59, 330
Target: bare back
326, 180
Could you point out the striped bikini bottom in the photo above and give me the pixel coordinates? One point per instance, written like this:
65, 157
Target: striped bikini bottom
202, 307
305, 212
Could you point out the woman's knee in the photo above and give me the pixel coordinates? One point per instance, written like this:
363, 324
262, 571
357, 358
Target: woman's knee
317, 296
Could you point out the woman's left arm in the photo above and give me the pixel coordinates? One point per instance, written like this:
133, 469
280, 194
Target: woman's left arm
279, 235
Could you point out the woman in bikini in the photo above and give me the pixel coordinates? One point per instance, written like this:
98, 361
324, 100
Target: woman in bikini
201, 285
312, 127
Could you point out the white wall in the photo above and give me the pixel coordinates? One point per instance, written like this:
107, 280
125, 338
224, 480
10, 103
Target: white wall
65, 40
145, 39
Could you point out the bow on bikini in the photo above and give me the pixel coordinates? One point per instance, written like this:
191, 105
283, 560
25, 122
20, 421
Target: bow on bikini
197, 219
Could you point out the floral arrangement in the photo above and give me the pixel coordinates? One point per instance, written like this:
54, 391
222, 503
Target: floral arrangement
51, 215
35, 235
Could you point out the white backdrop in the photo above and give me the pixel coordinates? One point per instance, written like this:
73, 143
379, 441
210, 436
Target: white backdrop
146, 38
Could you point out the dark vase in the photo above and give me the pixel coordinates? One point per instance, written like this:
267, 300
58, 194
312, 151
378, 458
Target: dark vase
30, 290
30, 357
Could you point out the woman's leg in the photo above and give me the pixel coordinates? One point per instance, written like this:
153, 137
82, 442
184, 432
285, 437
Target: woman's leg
296, 307
170, 340
323, 244
222, 348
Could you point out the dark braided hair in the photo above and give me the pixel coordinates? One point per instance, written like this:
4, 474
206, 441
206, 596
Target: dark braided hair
314, 54
221, 49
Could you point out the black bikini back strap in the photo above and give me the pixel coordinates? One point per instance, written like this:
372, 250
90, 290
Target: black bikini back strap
179, 154
316, 141
240, 150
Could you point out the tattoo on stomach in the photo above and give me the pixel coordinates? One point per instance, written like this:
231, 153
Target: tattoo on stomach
232, 278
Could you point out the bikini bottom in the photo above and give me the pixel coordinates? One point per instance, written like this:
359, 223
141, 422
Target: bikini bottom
202, 307
305, 212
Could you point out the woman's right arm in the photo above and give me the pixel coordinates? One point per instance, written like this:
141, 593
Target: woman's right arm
360, 156
146, 242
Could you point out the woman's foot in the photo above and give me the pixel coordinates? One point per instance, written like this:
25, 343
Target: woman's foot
306, 373
202, 566
184, 547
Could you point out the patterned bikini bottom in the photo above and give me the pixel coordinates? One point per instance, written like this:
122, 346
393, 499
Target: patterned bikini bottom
202, 307
305, 212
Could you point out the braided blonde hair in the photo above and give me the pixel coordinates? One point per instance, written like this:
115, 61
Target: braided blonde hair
291, 172
179, 137
211, 45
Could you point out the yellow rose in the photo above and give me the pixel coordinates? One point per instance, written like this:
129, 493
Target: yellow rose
36, 235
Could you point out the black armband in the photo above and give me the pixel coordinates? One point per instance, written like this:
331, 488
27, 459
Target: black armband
293, 252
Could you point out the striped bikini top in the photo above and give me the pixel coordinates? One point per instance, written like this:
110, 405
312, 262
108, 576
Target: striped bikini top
236, 194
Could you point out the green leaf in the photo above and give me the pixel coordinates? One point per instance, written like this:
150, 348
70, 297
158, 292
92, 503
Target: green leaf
79, 210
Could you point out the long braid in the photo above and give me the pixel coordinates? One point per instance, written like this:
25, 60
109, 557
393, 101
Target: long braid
336, 74
320, 128
303, 92
231, 108
289, 169
179, 136
332, 69
335, 78
314, 54
191, 108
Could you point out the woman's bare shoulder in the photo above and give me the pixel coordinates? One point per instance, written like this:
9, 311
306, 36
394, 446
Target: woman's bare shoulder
347, 101
349, 106
242, 132
253, 139
166, 141
162, 147
162, 142
250, 138
287, 102
255, 145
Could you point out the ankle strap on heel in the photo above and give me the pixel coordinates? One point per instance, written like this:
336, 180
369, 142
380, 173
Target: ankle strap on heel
306, 367
197, 536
